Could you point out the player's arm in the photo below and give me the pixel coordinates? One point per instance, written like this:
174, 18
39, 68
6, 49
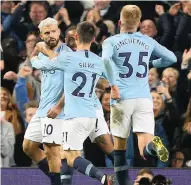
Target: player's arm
166, 57
60, 62
107, 53
45, 64
160, 62
42, 47
55, 111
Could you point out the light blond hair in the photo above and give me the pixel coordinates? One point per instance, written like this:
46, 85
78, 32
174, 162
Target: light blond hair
171, 69
130, 16
47, 22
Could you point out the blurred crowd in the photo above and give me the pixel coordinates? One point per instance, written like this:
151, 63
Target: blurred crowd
167, 22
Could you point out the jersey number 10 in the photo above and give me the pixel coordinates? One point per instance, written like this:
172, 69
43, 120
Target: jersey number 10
126, 63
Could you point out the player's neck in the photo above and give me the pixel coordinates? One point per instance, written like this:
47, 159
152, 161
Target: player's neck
55, 48
125, 30
83, 47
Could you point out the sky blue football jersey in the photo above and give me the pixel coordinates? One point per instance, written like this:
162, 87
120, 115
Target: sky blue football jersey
82, 70
52, 85
126, 58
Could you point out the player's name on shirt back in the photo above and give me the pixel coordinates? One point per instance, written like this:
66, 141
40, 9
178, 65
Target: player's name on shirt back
126, 41
86, 65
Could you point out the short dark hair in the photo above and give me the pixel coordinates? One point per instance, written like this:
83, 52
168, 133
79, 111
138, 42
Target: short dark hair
40, 3
70, 29
145, 170
86, 32
31, 104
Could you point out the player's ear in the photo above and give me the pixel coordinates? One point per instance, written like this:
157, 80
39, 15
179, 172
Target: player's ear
119, 23
139, 25
76, 36
41, 36
58, 31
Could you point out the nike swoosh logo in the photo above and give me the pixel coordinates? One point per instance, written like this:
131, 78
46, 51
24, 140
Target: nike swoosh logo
97, 130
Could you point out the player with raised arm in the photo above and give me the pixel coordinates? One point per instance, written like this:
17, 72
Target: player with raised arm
126, 59
82, 70
42, 129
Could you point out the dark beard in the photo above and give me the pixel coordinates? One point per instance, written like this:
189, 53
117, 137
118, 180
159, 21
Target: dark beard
51, 46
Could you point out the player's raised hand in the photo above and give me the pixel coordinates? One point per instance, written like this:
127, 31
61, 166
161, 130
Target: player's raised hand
54, 111
25, 71
115, 93
43, 48
40, 46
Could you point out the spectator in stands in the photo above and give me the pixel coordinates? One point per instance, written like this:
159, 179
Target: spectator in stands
29, 111
111, 26
178, 159
23, 96
144, 173
176, 88
101, 86
170, 77
107, 9
10, 14
148, 28
38, 11
92, 16
105, 101
63, 19
11, 60
166, 118
10, 112
30, 43
7, 141
182, 38
184, 137
153, 78
74, 9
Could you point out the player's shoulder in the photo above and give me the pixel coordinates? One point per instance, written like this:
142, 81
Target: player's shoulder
63, 47
145, 37
94, 55
112, 38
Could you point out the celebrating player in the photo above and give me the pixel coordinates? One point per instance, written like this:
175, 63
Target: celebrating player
126, 58
41, 128
82, 69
